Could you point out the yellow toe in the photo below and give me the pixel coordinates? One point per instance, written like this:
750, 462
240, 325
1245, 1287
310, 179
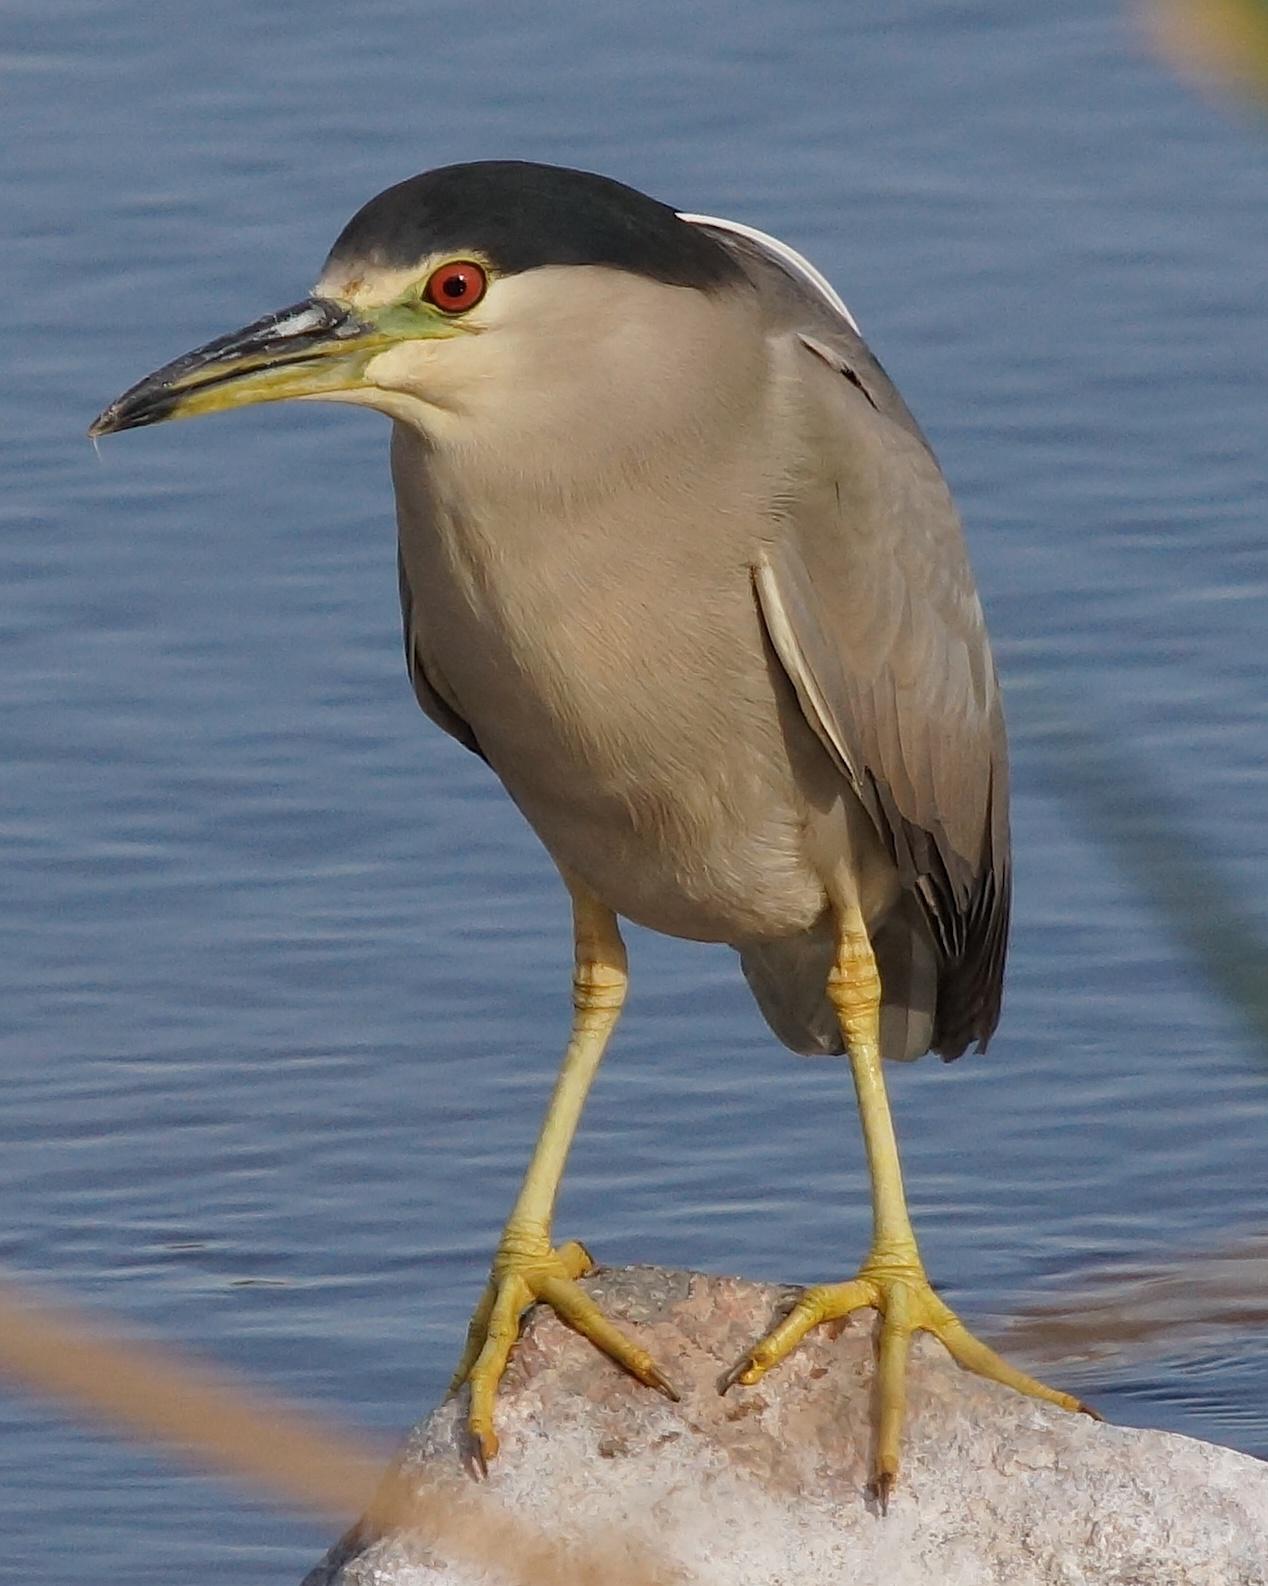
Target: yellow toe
823, 1303
907, 1304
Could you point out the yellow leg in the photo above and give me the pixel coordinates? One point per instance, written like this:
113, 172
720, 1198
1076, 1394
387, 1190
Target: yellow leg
527, 1267
892, 1279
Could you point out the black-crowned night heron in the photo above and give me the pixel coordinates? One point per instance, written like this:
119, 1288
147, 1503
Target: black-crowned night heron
676, 560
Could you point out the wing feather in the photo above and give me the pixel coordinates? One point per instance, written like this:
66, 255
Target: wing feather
871, 607
426, 690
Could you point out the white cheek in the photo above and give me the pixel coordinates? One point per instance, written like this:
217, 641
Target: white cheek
405, 367
420, 383
440, 372
395, 404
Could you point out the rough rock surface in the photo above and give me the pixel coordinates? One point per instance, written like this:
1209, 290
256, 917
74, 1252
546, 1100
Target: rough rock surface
768, 1485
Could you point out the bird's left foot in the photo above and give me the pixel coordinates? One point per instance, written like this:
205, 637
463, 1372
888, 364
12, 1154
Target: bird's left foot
902, 1293
527, 1269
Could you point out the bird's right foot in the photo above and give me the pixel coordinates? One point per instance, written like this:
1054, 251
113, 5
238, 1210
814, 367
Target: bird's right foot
528, 1269
893, 1283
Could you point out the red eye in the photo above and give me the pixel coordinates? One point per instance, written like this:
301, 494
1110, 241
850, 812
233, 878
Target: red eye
456, 286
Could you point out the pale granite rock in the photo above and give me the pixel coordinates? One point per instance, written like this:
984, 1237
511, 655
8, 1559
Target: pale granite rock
768, 1485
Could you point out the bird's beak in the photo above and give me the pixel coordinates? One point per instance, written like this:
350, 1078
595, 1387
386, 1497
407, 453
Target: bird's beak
316, 348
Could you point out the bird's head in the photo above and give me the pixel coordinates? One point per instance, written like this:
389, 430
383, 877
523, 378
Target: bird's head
503, 294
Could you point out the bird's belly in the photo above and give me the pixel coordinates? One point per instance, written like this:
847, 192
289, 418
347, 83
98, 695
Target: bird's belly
674, 799
622, 686
693, 860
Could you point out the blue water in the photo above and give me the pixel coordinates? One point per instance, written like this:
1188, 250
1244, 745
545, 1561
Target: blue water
283, 975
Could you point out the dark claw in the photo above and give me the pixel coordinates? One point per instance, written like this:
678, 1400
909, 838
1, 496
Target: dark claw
662, 1383
728, 1379
788, 1302
476, 1458
1086, 1409
880, 1488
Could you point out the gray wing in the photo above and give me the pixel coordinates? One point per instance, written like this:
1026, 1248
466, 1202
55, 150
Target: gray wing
433, 703
870, 605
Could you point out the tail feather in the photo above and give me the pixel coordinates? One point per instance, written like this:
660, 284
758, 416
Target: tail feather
789, 978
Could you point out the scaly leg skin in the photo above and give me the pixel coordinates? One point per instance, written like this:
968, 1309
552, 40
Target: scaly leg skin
892, 1279
527, 1267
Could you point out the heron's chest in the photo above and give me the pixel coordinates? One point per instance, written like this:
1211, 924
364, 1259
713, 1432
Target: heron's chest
596, 626
617, 678
574, 648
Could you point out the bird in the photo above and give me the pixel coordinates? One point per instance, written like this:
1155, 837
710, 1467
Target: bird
677, 562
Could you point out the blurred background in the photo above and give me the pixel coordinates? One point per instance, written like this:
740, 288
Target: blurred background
283, 977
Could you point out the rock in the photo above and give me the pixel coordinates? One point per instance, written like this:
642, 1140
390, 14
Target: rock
769, 1485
